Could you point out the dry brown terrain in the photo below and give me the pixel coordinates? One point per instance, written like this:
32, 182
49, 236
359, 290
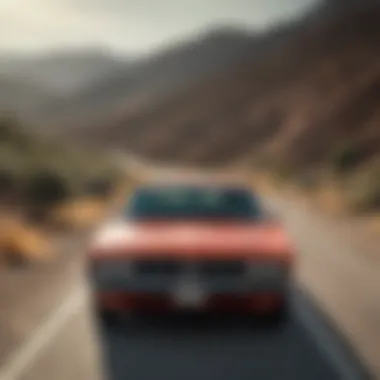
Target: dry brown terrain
308, 106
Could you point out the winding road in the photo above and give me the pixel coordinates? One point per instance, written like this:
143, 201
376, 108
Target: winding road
336, 264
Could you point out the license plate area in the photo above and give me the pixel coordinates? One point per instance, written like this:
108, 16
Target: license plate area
189, 295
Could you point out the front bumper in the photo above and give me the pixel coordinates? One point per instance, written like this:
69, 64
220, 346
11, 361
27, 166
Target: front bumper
261, 303
192, 289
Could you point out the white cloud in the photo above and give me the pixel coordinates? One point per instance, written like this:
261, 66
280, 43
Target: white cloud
127, 24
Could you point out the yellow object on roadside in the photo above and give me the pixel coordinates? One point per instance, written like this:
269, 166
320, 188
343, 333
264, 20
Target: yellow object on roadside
20, 242
79, 214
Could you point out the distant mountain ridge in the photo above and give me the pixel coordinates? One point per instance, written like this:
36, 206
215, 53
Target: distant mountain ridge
154, 77
84, 86
182, 65
20, 97
30, 82
296, 106
92, 87
61, 71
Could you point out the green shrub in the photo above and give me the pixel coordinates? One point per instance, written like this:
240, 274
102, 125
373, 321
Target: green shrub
99, 187
8, 182
7, 128
102, 180
363, 191
13, 134
346, 157
42, 172
307, 180
12, 166
283, 173
45, 187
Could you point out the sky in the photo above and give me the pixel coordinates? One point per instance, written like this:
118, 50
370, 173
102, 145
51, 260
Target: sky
129, 26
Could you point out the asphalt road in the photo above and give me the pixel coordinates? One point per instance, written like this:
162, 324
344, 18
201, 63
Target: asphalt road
226, 349
340, 268
339, 262
73, 346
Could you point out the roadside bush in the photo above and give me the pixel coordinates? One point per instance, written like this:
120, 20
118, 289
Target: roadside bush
12, 166
99, 187
13, 134
21, 243
363, 191
42, 190
346, 158
8, 126
283, 173
307, 180
8, 183
101, 179
41, 173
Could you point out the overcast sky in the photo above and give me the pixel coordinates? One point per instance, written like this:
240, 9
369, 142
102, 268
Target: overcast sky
132, 26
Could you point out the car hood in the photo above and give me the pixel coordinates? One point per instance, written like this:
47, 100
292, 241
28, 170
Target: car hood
191, 240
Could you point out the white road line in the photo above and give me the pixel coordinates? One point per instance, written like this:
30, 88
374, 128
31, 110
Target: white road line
22, 359
26, 355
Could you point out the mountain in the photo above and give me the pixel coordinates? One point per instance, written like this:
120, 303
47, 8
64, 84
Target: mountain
63, 71
20, 97
29, 83
89, 87
339, 5
296, 106
175, 68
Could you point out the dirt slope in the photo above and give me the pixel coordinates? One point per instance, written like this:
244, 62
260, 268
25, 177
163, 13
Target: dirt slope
295, 107
173, 69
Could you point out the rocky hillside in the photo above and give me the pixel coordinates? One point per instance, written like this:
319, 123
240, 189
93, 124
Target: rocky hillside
21, 96
29, 84
61, 72
301, 100
174, 69
87, 86
310, 103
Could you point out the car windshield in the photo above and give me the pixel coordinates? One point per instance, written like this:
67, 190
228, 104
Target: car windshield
182, 202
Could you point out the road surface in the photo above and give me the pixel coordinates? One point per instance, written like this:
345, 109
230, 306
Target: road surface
340, 264
339, 267
191, 349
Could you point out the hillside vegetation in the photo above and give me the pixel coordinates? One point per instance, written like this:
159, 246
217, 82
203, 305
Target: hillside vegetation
45, 186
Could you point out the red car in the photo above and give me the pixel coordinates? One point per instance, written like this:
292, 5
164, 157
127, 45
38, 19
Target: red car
198, 245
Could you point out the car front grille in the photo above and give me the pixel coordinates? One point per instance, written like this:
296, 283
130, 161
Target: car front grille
158, 267
202, 269
217, 268
213, 275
